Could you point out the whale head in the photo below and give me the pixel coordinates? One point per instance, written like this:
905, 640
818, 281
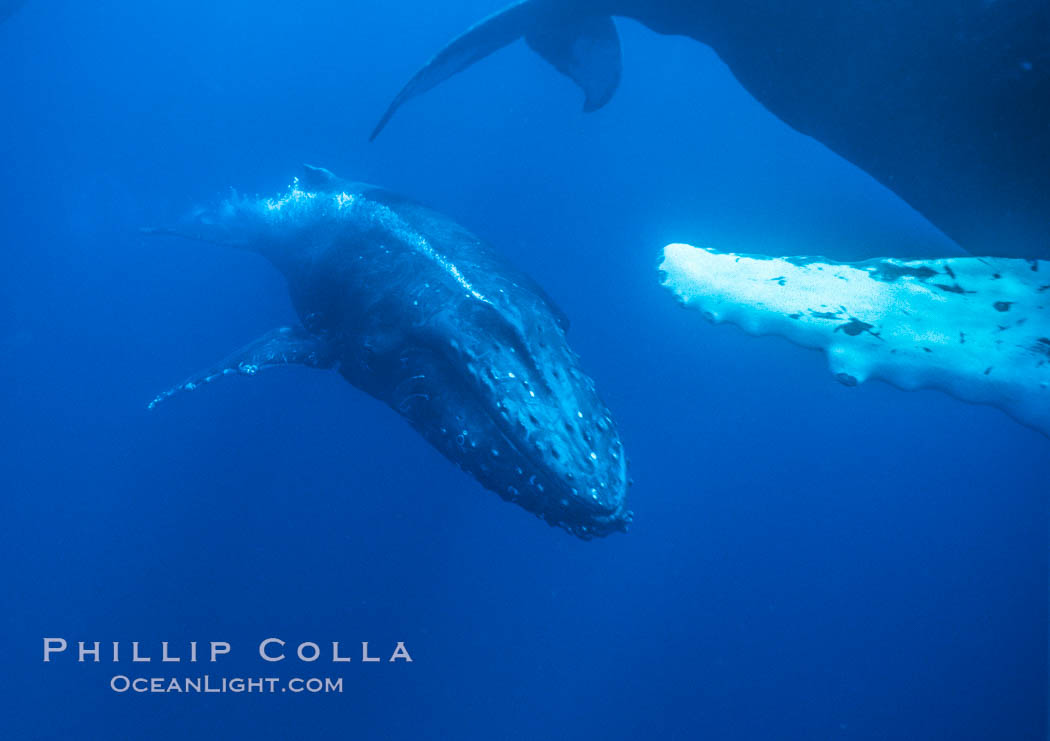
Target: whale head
500, 393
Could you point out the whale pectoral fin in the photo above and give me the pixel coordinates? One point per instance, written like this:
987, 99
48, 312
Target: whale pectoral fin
976, 328
587, 51
282, 346
482, 39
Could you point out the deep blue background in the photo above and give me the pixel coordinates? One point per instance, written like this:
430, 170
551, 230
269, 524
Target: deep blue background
808, 561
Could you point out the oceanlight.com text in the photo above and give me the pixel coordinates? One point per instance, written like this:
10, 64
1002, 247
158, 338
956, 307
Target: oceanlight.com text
207, 684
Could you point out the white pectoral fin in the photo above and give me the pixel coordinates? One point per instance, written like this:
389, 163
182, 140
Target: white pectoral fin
282, 346
977, 328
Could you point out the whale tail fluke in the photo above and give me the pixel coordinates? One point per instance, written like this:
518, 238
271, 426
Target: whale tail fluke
281, 346
585, 48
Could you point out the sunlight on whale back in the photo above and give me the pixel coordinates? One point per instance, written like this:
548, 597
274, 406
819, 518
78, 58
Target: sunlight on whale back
298, 203
977, 328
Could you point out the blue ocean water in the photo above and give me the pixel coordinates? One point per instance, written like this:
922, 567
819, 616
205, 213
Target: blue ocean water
807, 561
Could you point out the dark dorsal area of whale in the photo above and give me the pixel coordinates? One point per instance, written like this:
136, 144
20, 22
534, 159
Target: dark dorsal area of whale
410, 307
945, 102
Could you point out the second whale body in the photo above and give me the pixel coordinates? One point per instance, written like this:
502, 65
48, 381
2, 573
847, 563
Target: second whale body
944, 102
415, 310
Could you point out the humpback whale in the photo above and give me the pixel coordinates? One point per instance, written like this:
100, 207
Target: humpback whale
945, 102
977, 328
413, 309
